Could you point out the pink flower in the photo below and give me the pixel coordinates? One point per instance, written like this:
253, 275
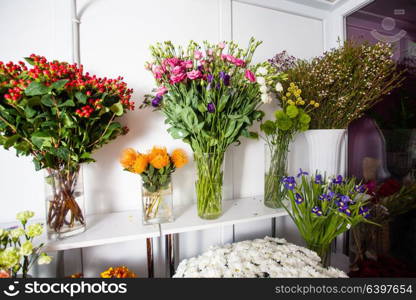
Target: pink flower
157, 71
188, 64
236, 61
177, 70
239, 62
197, 54
173, 62
178, 78
221, 45
161, 91
250, 76
194, 74
210, 52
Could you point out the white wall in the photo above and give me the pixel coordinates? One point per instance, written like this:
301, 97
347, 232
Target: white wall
115, 36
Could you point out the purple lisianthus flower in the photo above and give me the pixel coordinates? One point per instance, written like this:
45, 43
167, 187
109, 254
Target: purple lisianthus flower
298, 198
338, 180
318, 179
156, 101
289, 182
210, 78
211, 107
301, 173
364, 211
317, 211
225, 78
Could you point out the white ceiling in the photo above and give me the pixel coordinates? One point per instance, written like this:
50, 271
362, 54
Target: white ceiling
321, 4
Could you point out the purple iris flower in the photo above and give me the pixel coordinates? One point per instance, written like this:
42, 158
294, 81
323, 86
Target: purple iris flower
301, 173
298, 198
328, 197
156, 101
364, 211
289, 182
211, 107
337, 180
360, 188
318, 179
317, 211
345, 199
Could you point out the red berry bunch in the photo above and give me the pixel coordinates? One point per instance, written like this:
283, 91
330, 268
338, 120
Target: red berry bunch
85, 111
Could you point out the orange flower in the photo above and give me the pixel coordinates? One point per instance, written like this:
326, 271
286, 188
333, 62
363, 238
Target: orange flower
179, 158
128, 158
157, 151
118, 272
141, 163
160, 161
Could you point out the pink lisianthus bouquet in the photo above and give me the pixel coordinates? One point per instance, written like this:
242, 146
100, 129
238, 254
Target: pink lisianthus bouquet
210, 98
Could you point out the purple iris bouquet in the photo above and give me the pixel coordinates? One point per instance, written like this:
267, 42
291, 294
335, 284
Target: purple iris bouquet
210, 97
323, 208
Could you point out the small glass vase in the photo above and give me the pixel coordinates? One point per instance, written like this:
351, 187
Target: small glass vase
65, 211
275, 169
323, 251
157, 205
210, 172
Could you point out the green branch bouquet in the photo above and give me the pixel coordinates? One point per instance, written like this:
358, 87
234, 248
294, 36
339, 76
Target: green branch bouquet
209, 97
17, 251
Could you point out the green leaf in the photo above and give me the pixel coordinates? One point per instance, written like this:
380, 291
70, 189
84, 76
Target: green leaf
30, 61
110, 100
268, 127
36, 89
81, 97
68, 121
41, 139
68, 102
117, 108
29, 112
11, 141
178, 133
47, 100
59, 85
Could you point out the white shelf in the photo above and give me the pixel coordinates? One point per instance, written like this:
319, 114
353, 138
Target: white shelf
234, 212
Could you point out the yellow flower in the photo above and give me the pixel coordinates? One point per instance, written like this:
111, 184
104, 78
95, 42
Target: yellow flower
316, 104
288, 94
312, 102
179, 158
141, 163
128, 157
290, 102
292, 84
118, 272
284, 98
299, 99
302, 102
160, 161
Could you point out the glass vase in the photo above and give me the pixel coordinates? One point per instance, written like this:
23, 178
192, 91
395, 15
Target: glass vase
275, 169
157, 205
209, 184
65, 211
323, 251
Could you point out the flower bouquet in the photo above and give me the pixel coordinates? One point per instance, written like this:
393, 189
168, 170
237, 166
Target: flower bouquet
59, 115
17, 252
293, 117
210, 98
155, 168
323, 209
118, 272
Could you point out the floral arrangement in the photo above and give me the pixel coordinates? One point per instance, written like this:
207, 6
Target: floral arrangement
293, 117
345, 81
210, 98
268, 257
118, 272
155, 169
59, 115
324, 208
17, 251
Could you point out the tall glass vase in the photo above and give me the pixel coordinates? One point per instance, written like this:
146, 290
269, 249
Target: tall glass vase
157, 205
275, 169
323, 251
64, 191
209, 184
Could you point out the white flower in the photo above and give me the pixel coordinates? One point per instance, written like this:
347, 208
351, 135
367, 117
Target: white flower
262, 71
268, 257
26, 249
263, 89
260, 80
279, 87
23, 216
265, 98
16, 233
